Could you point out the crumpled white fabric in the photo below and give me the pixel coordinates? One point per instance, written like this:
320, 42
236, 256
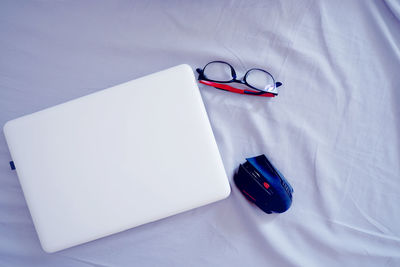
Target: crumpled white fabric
333, 131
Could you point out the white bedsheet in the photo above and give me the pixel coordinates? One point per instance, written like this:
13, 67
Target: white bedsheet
333, 131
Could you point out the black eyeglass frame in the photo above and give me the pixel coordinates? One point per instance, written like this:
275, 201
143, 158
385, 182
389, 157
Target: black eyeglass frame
234, 79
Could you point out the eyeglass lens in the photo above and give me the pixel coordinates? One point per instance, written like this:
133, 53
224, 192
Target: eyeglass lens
261, 80
218, 71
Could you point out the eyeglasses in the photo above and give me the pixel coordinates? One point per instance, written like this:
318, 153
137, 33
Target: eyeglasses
261, 82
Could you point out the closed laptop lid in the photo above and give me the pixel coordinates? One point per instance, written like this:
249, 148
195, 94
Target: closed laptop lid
118, 158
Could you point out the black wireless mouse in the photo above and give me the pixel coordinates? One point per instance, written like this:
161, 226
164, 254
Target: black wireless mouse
261, 183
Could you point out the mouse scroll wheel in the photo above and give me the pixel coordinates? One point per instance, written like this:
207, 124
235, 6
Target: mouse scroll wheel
266, 185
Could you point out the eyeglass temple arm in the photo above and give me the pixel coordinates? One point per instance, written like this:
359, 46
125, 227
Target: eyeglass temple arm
235, 90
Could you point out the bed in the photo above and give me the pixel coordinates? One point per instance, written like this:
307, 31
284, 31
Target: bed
333, 131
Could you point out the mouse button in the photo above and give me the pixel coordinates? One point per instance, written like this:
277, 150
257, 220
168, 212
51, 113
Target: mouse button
254, 173
265, 172
266, 185
242, 177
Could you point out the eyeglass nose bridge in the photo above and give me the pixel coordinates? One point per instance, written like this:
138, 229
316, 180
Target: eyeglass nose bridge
238, 81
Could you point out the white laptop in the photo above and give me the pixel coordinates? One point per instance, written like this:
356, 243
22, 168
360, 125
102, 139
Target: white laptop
118, 158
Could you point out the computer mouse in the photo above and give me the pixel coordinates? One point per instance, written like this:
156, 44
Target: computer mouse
261, 183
